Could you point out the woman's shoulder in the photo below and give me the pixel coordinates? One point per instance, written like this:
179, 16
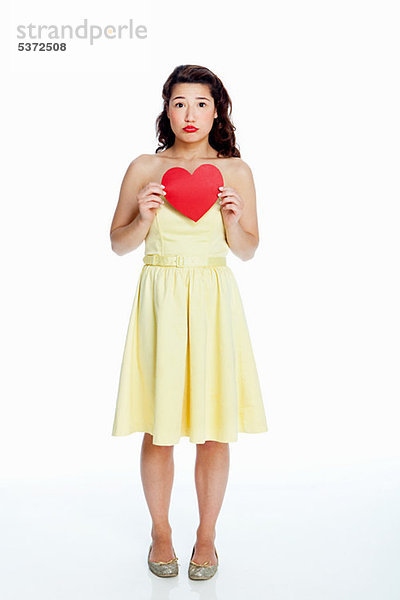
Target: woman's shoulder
144, 160
144, 165
238, 168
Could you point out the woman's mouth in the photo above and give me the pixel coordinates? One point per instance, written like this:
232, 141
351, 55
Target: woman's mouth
190, 128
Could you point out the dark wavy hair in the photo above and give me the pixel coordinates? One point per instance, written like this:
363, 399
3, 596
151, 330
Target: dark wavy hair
222, 136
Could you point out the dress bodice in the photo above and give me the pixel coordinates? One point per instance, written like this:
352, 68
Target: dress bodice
171, 232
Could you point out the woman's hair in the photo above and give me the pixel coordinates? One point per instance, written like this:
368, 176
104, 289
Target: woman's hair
221, 136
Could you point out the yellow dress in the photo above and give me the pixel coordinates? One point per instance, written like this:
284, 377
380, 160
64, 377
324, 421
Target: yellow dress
188, 367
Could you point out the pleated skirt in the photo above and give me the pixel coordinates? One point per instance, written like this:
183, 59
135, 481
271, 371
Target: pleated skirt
188, 367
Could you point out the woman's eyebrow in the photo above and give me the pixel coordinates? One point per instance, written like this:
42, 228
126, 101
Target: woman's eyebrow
197, 98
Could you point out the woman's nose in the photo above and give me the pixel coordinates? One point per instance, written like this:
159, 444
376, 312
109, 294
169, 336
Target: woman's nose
190, 115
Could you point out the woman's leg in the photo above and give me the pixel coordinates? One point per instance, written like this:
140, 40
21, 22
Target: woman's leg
211, 477
157, 472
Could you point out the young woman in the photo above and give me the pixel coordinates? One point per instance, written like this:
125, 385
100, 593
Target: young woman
188, 367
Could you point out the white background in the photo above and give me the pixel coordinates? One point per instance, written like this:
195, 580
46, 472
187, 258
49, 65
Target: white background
315, 94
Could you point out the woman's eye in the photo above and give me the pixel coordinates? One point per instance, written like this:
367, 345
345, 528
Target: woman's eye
181, 103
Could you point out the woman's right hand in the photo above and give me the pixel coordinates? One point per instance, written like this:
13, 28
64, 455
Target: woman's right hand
149, 199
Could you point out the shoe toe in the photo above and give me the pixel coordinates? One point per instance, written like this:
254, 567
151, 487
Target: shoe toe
164, 569
202, 572
197, 571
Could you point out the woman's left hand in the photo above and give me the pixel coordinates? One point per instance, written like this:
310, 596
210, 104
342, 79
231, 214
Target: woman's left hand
231, 205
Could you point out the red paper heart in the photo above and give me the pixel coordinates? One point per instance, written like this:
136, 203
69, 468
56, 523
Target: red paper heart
192, 194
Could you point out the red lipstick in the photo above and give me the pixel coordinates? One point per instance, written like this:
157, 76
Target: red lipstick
190, 128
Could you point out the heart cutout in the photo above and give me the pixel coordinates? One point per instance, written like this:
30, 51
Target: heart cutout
192, 194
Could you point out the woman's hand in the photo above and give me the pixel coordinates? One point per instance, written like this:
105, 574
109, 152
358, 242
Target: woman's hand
149, 199
231, 205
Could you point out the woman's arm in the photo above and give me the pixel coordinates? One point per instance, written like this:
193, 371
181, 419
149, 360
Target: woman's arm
240, 212
129, 226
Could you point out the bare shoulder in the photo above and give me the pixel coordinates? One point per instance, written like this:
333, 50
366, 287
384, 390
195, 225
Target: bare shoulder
239, 170
141, 162
143, 168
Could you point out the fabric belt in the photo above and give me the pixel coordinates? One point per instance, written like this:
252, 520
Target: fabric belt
181, 260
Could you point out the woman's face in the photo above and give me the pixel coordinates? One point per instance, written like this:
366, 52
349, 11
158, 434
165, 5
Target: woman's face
191, 104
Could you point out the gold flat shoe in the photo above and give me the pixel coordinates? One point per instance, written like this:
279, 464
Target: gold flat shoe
163, 569
204, 570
